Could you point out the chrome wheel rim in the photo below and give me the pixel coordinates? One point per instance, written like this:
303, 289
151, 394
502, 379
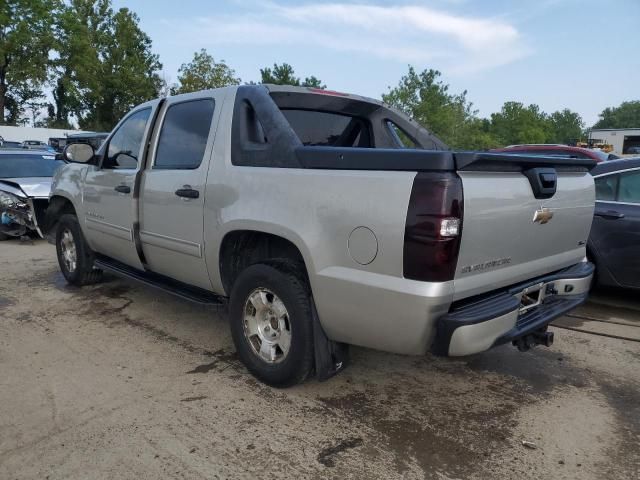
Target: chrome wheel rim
68, 250
266, 326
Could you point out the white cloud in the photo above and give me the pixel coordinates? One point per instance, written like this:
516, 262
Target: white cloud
408, 34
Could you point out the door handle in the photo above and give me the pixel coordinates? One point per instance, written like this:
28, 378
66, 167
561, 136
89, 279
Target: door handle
187, 192
123, 189
609, 214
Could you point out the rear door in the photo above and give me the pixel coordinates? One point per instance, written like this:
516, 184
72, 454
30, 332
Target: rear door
509, 235
109, 206
172, 189
616, 225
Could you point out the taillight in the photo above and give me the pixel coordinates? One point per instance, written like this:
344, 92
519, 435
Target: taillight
433, 227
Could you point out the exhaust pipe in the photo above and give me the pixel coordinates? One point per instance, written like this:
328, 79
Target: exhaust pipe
539, 337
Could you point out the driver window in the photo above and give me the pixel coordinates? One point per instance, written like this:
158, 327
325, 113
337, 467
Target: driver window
124, 146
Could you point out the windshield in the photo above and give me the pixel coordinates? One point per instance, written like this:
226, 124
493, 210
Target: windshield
22, 166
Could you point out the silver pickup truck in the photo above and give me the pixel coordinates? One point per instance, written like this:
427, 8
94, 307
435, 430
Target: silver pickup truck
326, 219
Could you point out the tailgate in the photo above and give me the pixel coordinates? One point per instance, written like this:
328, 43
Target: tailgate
514, 226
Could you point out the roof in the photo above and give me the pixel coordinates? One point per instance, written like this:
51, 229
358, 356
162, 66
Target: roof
318, 91
616, 166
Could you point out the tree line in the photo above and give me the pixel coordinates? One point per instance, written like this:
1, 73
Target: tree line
98, 63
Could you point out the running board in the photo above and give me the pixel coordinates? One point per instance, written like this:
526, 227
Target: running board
174, 287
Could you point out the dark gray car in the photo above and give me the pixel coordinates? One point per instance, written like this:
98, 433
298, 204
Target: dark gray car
614, 242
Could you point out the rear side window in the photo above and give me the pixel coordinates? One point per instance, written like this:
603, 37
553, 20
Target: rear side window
629, 188
606, 188
400, 136
252, 131
326, 129
184, 135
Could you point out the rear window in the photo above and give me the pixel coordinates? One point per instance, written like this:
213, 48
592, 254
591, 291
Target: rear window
328, 129
22, 166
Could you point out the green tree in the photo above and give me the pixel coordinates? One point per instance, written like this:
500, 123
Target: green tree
285, 75
626, 115
203, 73
104, 65
565, 126
517, 124
26, 38
428, 100
124, 72
313, 82
82, 26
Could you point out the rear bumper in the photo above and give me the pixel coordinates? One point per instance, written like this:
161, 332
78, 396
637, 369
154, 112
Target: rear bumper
479, 324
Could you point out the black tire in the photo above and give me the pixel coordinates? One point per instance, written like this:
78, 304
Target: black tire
83, 273
3, 237
285, 282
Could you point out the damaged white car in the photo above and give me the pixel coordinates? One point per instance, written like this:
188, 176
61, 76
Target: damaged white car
25, 182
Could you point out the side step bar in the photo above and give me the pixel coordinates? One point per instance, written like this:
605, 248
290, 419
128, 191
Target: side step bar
174, 287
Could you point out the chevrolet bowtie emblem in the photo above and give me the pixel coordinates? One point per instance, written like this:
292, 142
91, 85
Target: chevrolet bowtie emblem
542, 216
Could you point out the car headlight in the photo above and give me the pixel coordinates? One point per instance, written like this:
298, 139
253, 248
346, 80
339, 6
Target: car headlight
9, 200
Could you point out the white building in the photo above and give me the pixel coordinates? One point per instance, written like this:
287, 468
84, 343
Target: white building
621, 138
20, 134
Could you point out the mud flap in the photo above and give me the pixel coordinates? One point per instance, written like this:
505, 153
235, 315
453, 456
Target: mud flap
330, 357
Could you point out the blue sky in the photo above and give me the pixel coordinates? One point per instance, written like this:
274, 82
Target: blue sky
580, 54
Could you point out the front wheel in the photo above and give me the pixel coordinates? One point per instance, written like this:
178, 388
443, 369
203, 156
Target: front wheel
74, 255
271, 324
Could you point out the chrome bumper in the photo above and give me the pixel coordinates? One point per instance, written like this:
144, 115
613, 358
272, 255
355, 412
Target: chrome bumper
479, 324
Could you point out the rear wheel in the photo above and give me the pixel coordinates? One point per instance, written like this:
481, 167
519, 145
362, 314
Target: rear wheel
74, 255
271, 324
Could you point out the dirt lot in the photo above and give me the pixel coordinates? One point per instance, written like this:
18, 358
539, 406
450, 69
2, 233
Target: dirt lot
121, 381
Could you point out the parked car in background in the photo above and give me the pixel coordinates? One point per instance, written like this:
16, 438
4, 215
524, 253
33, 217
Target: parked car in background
9, 144
34, 144
25, 182
95, 139
558, 150
58, 143
307, 209
614, 241
633, 150
37, 145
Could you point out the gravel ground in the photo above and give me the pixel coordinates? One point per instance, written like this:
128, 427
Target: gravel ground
119, 380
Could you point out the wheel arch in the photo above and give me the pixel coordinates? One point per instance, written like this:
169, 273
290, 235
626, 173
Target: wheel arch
241, 248
58, 205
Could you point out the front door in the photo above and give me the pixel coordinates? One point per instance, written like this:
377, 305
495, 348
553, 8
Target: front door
173, 187
108, 200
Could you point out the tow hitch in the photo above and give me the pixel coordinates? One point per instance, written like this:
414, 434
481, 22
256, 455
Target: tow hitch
539, 337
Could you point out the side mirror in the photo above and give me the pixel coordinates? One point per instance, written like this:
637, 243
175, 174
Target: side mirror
78, 153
